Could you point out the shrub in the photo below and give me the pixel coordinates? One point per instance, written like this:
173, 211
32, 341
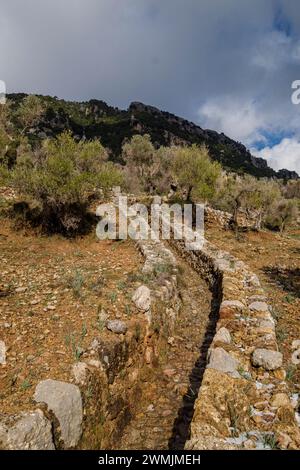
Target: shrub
194, 172
30, 112
282, 214
62, 176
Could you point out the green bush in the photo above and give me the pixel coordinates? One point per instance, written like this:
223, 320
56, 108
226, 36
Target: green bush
62, 177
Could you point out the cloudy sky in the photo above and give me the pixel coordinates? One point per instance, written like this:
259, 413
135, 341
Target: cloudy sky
227, 65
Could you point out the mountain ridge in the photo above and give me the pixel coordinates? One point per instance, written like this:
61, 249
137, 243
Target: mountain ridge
96, 119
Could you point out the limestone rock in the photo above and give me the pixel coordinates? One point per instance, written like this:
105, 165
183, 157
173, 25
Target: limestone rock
79, 372
64, 400
280, 399
2, 353
223, 336
27, 431
259, 306
232, 303
142, 298
268, 359
116, 326
224, 362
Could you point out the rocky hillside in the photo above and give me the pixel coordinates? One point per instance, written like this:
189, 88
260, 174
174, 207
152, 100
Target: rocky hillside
112, 125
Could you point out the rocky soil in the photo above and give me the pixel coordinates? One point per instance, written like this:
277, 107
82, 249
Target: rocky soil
55, 298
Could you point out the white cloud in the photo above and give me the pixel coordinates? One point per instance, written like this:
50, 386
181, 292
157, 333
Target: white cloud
275, 50
239, 120
286, 154
228, 65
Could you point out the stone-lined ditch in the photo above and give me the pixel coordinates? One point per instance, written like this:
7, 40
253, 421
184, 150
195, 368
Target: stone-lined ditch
203, 322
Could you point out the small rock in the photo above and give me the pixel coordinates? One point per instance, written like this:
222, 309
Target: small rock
94, 363
223, 336
249, 444
295, 344
232, 303
79, 372
280, 374
169, 372
171, 341
21, 289
224, 362
261, 405
280, 399
116, 326
2, 353
150, 408
142, 298
148, 355
259, 306
268, 359
64, 400
283, 440
257, 419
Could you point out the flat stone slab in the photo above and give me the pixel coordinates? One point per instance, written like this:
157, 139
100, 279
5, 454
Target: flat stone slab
224, 362
223, 336
27, 431
259, 306
64, 400
232, 304
266, 358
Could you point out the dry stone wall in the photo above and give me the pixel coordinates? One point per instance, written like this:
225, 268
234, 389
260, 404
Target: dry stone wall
243, 400
93, 408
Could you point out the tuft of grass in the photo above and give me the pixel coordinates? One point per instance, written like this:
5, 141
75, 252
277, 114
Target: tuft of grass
74, 343
281, 334
290, 372
121, 285
163, 268
112, 297
101, 318
25, 385
128, 309
137, 332
76, 283
269, 441
290, 298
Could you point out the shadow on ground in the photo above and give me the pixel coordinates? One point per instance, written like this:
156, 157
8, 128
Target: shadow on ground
287, 278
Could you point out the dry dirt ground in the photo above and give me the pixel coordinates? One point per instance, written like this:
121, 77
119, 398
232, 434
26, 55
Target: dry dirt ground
51, 293
276, 261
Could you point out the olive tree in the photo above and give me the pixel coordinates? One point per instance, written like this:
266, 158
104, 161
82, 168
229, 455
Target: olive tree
62, 176
194, 172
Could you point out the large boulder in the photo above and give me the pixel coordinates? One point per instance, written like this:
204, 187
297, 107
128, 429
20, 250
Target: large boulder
26, 431
64, 400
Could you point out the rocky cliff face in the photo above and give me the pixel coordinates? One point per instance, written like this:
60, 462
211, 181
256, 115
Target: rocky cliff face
113, 126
